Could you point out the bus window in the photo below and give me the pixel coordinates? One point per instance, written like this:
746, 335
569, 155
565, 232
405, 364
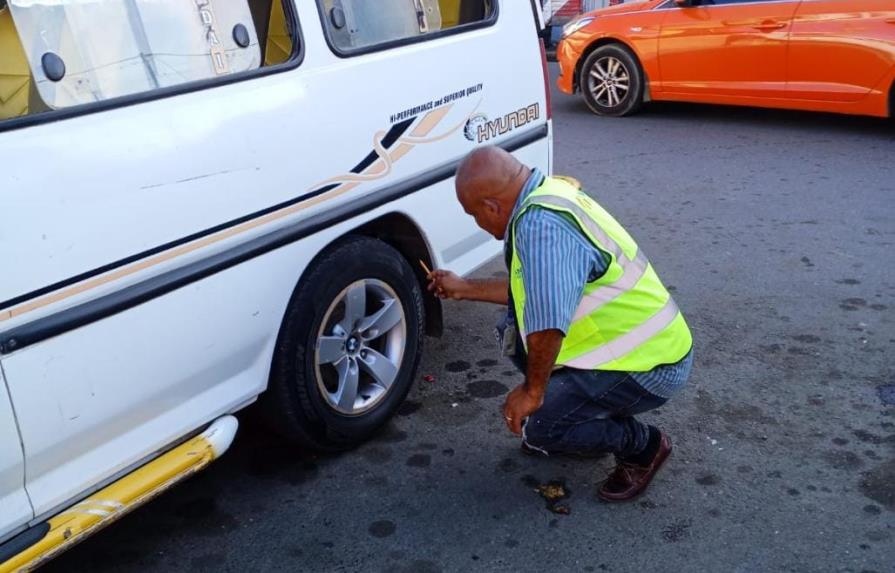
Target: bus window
353, 25
279, 45
15, 78
61, 53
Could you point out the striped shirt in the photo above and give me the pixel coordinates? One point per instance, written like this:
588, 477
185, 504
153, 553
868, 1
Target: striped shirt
557, 261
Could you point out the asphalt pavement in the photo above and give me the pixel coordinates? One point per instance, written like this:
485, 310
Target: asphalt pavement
775, 232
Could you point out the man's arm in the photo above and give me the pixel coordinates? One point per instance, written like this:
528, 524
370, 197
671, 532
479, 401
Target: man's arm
445, 284
557, 262
525, 399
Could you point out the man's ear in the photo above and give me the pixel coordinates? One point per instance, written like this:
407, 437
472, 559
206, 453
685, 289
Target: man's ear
492, 205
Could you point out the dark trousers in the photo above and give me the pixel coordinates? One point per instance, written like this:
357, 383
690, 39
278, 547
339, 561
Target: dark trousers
591, 412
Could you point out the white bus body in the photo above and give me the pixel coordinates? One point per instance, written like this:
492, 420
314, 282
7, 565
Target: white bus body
152, 239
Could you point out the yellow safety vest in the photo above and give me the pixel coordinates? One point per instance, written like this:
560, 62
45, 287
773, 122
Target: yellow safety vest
626, 320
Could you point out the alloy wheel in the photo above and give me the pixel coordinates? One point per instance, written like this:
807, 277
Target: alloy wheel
360, 346
609, 81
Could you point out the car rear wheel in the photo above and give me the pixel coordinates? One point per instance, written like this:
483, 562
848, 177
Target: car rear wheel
348, 347
611, 81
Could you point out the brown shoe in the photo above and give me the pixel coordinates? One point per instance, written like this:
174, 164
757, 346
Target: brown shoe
628, 480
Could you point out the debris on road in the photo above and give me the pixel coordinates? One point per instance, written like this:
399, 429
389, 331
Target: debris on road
560, 509
553, 492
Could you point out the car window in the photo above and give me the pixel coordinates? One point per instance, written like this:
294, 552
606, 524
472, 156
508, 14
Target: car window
355, 25
56, 54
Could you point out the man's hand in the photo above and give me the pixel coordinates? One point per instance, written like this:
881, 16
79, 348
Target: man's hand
525, 399
445, 284
521, 403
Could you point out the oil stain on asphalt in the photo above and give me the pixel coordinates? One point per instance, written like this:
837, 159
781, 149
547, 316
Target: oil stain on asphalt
486, 389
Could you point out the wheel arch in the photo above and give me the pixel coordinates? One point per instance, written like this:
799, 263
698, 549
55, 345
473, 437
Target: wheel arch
892, 100
404, 235
291, 404
605, 41
399, 232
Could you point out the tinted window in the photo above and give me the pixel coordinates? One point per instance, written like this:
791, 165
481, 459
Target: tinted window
354, 25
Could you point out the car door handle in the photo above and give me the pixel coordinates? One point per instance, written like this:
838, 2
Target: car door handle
770, 26
890, 21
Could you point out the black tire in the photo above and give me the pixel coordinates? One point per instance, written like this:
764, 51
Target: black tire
296, 404
598, 92
892, 101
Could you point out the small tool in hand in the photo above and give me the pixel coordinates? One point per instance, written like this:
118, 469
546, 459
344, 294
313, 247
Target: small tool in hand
428, 272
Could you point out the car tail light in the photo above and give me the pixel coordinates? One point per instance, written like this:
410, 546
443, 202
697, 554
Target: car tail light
547, 96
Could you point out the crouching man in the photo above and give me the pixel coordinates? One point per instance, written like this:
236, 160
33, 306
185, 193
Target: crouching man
598, 336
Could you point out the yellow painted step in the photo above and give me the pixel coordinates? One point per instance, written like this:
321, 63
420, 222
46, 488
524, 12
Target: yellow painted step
123, 496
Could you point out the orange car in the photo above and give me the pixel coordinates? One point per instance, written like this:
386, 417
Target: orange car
820, 55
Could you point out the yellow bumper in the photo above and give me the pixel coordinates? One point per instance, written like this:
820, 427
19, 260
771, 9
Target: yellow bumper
133, 490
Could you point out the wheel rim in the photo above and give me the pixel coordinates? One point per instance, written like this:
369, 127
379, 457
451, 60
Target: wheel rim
360, 345
609, 81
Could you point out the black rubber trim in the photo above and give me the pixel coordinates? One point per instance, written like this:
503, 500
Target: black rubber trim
538, 17
295, 60
23, 541
154, 287
393, 134
486, 23
892, 101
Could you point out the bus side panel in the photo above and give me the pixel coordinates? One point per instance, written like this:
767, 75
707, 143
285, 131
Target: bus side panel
94, 400
99, 399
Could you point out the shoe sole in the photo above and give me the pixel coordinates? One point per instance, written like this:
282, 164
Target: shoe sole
662, 461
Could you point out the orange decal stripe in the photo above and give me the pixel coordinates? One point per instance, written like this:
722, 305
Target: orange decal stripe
377, 170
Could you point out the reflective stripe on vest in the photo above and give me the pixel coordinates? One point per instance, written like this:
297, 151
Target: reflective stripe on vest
633, 269
629, 341
642, 329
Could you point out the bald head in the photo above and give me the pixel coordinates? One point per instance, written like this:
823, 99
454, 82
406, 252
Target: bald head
488, 182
